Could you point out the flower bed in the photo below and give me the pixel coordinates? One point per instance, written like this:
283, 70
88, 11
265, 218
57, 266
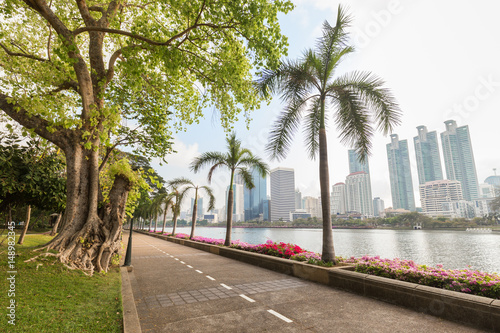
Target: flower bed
465, 280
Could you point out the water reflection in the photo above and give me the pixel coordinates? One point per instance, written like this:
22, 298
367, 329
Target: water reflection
453, 249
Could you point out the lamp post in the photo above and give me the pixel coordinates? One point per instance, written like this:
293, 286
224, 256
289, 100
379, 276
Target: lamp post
128, 255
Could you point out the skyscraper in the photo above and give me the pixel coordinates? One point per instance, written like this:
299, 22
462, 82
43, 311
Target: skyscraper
254, 198
378, 206
199, 210
312, 206
238, 202
338, 199
298, 199
459, 159
282, 193
359, 196
354, 163
427, 154
400, 174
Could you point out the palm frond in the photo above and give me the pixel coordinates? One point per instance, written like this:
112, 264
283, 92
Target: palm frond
211, 201
247, 178
353, 120
181, 181
284, 128
311, 128
334, 37
369, 87
256, 163
205, 159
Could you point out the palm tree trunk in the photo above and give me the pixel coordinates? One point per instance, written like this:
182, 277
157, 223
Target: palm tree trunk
195, 210
175, 224
328, 253
164, 219
229, 223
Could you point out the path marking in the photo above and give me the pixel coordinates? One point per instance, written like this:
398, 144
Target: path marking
176, 258
171, 256
211, 278
280, 316
189, 266
182, 262
247, 298
199, 271
225, 286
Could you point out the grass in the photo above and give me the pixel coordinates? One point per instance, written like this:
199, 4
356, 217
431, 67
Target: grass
51, 298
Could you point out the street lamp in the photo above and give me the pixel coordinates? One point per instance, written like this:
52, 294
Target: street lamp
128, 255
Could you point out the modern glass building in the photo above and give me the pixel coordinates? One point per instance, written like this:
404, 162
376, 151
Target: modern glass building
459, 159
378, 206
354, 163
400, 174
254, 198
282, 193
427, 154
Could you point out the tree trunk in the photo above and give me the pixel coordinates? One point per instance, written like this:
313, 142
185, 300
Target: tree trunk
56, 225
88, 241
156, 224
328, 253
164, 218
26, 223
229, 223
175, 224
195, 210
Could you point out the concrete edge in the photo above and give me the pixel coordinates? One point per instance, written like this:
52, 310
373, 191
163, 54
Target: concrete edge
131, 322
472, 310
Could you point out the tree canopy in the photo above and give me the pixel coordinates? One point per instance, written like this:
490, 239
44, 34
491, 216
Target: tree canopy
159, 64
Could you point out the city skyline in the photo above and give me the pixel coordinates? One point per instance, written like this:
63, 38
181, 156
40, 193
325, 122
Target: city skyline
430, 83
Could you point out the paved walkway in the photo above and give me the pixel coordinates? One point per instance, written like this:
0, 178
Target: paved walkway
180, 289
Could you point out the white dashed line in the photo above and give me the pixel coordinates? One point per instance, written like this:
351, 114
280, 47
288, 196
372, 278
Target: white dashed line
189, 266
247, 298
225, 286
171, 256
182, 262
280, 316
211, 278
199, 271
176, 258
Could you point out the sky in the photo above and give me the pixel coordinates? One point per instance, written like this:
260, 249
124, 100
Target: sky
439, 58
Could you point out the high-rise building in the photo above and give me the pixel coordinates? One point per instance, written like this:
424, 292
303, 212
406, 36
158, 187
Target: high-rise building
355, 165
378, 206
338, 199
254, 198
493, 180
400, 174
359, 196
435, 195
238, 202
427, 154
312, 206
487, 191
282, 193
298, 199
459, 159
199, 209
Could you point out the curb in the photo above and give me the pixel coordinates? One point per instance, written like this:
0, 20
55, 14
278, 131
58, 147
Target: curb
131, 322
476, 311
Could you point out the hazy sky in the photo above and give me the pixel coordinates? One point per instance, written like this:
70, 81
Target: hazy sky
439, 58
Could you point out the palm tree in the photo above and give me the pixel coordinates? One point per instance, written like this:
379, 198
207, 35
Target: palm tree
176, 206
164, 201
310, 91
236, 159
189, 185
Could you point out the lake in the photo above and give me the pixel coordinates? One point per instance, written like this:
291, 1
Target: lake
453, 249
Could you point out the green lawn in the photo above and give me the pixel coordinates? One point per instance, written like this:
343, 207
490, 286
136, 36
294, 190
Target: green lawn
51, 298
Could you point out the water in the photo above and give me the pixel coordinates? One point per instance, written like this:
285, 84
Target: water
453, 249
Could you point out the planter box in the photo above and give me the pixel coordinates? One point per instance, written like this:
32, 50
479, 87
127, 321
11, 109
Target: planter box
477, 311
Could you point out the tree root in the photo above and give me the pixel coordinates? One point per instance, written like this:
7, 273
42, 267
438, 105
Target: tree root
46, 254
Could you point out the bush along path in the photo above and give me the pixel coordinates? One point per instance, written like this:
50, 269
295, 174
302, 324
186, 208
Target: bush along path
465, 280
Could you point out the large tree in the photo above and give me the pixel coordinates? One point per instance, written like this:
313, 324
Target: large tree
237, 160
311, 91
74, 71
